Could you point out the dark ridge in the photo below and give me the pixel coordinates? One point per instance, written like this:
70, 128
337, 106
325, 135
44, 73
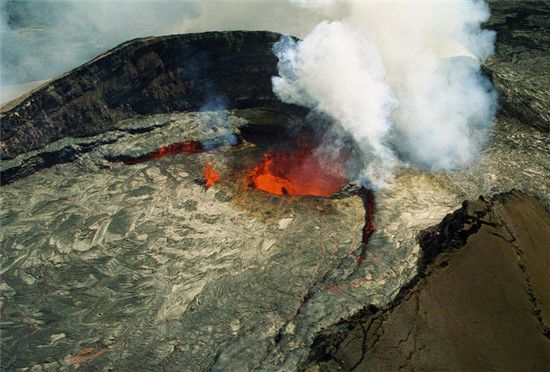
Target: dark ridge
140, 77
447, 237
47, 159
453, 231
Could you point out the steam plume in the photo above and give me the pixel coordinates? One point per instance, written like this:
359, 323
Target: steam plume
403, 78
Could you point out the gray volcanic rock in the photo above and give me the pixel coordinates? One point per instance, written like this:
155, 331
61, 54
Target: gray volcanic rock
111, 266
480, 301
138, 266
144, 76
520, 67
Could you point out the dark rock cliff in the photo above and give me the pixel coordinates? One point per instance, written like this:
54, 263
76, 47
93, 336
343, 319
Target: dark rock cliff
143, 76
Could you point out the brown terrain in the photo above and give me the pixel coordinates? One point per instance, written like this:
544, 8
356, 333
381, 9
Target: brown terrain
480, 304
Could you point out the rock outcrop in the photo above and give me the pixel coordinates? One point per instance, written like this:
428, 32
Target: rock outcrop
480, 301
520, 67
144, 76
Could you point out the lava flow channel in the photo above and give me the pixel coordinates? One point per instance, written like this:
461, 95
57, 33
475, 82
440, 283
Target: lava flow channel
192, 146
298, 172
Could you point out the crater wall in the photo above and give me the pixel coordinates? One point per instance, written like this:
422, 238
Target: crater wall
140, 77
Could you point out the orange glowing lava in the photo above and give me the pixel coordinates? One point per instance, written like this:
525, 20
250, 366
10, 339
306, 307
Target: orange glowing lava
297, 173
192, 146
210, 175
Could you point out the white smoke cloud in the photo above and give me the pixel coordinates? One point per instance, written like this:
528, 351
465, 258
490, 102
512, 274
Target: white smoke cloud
402, 77
281, 16
337, 70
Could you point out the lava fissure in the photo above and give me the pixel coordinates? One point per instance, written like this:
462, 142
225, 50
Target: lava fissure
368, 201
187, 147
192, 146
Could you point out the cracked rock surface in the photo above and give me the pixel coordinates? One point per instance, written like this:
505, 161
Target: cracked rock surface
479, 303
140, 266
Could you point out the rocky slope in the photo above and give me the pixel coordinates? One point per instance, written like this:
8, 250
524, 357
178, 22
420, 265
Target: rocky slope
217, 70
480, 301
233, 70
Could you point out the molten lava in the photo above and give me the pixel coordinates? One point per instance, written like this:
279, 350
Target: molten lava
210, 174
297, 173
369, 214
369, 226
192, 146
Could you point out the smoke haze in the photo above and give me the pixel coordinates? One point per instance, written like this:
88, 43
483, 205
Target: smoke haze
404, 78
42, 39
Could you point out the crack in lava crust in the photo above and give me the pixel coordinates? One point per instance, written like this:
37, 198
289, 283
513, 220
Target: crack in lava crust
191, 147
368, 201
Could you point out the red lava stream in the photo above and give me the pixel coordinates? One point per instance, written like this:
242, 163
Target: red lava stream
297, 172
